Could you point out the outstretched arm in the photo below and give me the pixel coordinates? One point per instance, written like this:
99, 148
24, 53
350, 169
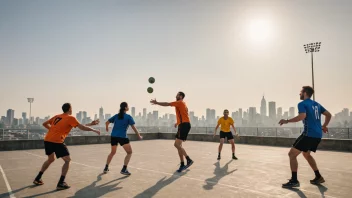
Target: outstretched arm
86, 128
95, 122
164, 104
216, 128
298, 118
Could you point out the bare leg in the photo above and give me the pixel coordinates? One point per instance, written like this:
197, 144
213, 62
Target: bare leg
111, 155
181, 151
128, 150
222, 140
232, 142
66, 165
310, 160
51, 159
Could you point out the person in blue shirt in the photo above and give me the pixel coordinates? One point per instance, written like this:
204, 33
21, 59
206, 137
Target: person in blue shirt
121, 123
310, 113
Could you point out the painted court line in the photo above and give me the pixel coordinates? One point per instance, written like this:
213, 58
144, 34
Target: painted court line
7, 183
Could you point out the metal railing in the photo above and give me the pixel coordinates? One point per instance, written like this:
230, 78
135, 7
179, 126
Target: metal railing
288, 132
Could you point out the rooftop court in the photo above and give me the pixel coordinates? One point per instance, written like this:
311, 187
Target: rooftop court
259, 172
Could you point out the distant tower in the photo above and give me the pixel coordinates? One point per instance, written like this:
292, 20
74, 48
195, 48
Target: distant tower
263, 107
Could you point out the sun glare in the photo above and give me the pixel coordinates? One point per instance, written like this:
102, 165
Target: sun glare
260, 31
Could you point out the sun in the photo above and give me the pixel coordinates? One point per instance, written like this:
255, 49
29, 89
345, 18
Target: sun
260, 31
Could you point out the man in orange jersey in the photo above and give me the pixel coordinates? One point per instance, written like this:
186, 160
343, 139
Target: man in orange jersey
184, 126
59, 127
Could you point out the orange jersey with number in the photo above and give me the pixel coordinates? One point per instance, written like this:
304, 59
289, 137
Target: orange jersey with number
61, 125
181, 111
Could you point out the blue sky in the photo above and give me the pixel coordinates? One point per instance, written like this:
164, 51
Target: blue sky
222, 54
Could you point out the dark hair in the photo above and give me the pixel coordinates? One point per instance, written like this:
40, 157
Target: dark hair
226, 110
121, 113
308, 90
182, 94
66, 107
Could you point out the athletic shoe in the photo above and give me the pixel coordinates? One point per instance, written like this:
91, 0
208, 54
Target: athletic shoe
38, 182
234, 157
219, 157
291, 184
125, 172
62, 186
106, 170
189, 163
317, 180
182, 167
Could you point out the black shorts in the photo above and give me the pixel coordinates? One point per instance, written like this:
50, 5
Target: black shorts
228, 135
119, 140
60, 149
183, 130
305, 143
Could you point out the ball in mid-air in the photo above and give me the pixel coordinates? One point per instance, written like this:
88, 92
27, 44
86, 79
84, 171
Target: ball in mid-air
150, 90
151, 80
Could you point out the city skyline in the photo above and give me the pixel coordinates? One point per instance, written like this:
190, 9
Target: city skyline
222, 54
267, 115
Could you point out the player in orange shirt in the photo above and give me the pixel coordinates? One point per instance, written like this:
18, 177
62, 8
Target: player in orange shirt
225, 131
59, 127
184, 126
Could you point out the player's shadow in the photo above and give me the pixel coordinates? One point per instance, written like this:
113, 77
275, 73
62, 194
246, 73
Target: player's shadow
150, 192
17, 190
94, 190
321, 188
219, 174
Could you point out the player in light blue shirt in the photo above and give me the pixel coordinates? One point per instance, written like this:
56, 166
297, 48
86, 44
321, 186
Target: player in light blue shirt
310, 113
121, 123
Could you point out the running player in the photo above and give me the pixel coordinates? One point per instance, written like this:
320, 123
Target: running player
310, 113
59, 127
225, 131
121, 123
184, 126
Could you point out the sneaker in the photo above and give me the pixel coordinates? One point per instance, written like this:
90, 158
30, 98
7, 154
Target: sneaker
125, 172
317, 180
38, 182
234, 157
189, 163
106, 170
291, 184
62, 186
219, 157
182, 167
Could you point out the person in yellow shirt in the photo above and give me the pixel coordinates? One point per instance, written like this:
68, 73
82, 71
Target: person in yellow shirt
225, 131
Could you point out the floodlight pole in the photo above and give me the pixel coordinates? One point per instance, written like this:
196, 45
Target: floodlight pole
313, 74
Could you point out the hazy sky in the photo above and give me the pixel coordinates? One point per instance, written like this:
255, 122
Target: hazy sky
222, 54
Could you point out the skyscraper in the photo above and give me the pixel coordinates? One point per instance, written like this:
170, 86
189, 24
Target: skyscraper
240, 113
133, 112
101, 115
263, 107
279, 113
291, 112
107, 116
24, 117
207, 114
272, 110
79, 116
10, 116
144, 113
252, 112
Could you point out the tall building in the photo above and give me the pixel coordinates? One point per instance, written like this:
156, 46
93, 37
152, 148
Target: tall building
10, 116
252, 112
291, 112
240, 113
272, 110
263, 107
144, 113
207, 114
101, 115
155, 115
24, 117
133, 112
279, 113
285, 116
95, 116
79, 116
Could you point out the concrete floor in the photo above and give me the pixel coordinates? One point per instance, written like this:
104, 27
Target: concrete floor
259, 172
